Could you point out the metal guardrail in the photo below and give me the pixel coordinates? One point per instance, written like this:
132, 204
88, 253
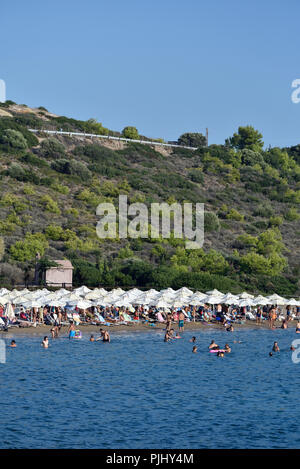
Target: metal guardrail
108, 137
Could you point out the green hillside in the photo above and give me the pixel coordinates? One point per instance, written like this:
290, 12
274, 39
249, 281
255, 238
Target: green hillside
51, 186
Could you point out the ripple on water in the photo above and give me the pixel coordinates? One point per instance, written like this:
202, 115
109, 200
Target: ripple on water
139, 392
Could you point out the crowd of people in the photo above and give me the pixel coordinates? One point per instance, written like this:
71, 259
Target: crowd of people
95, 315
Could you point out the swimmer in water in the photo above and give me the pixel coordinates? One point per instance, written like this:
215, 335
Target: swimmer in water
213, 345
193, 339
230, 328
227, 348
220, 354
13, 343
298, 327
92, 339
276, 347
271, 354
195, 349
45, 342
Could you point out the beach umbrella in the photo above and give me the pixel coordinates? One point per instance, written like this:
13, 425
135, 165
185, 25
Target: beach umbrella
245, 302
212, 299
245, 295
93, 295
32, 304
184, 291
160, 304
4, 300
214, 293
80, 303
230, 299
196, 302
3, 291
292, 302
9, 312
276, 300
81, 291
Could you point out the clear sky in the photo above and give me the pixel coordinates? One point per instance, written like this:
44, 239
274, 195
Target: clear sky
164, 66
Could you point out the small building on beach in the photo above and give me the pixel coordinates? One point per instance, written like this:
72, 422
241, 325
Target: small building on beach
60, 275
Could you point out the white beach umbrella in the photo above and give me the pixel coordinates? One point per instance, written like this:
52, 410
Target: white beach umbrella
4, 300
212, 299
214, 293
32, 304
245, 302
81, 291
3, 291
80, 303
245, 295
196, 302
184, 291
9, 312
276, 300
292, 302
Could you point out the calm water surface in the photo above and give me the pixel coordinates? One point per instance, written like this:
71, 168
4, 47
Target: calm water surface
139, 392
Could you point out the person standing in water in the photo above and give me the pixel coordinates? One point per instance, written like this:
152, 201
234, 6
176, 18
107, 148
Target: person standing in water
104, 336
13, 343
71, 330
181, 321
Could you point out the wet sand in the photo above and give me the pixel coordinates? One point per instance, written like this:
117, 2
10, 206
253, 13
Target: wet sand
42, 330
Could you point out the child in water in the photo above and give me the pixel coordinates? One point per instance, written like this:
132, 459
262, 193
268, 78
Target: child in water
195, 349
92, 339
13, 343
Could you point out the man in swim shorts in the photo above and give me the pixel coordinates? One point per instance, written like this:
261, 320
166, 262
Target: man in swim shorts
181, 321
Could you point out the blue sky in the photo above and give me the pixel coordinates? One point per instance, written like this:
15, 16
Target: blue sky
166, 67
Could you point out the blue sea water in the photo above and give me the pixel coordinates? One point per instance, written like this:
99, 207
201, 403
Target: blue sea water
139, 392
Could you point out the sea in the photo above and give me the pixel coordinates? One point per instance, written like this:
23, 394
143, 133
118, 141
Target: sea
139, 392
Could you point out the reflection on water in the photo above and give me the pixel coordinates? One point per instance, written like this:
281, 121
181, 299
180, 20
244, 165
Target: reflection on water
139, 392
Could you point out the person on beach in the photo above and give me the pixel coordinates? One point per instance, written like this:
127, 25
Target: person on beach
45, 342
13, 343
195, 349
213, 345
181, 321
272, 317
276, 347
258, 315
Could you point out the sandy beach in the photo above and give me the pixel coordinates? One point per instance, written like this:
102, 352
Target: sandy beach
42, 330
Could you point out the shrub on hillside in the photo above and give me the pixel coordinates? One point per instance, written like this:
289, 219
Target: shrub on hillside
52, 148
13, 139
26, 250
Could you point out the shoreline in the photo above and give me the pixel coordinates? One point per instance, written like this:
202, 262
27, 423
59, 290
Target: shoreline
42, 330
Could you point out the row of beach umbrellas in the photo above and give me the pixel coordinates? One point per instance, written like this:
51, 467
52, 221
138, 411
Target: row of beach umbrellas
84, 298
